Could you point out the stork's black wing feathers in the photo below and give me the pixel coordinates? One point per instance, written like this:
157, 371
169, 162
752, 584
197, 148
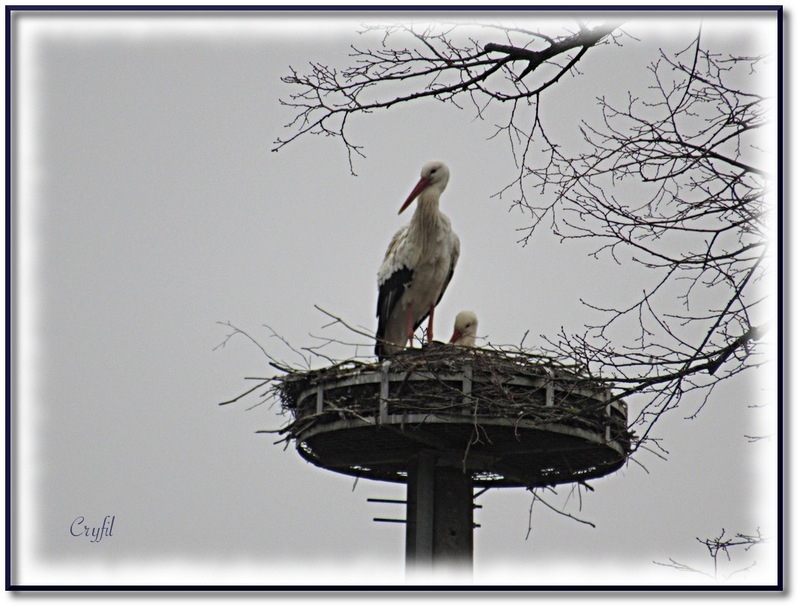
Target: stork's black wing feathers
389, 294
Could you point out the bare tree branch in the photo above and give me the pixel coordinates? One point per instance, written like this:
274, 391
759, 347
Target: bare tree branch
426, 62
718, 547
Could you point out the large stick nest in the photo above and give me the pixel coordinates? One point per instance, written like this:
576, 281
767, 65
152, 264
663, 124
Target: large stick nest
509, 385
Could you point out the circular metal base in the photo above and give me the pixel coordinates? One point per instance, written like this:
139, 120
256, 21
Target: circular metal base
495, 452
503, 422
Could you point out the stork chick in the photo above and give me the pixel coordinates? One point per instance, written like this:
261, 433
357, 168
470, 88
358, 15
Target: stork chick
465, 329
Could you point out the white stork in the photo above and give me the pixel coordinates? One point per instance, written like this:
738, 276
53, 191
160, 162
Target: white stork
465, 328
418, 265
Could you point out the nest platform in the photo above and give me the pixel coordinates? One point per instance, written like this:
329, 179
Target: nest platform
506, 419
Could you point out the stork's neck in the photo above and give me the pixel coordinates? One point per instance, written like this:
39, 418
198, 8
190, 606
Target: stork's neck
427, 222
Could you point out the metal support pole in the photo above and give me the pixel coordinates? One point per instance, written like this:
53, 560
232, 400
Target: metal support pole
419, 512
438, 516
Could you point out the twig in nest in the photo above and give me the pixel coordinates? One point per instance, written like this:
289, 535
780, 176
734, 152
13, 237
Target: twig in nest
272, 361
336, 319
288, 344
247, 392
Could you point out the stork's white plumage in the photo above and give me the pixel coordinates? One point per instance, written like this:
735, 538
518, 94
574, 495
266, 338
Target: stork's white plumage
465, 328
418, 265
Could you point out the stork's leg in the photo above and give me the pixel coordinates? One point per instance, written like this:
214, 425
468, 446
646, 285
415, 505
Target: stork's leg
430, 326
409, 326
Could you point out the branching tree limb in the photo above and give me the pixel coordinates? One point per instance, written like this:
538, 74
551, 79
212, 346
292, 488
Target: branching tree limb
663, 186
717, 547
442, 62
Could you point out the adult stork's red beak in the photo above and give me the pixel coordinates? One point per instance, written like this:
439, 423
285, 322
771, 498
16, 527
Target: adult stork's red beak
421, 185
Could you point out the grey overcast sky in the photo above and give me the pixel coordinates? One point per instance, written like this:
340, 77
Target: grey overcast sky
150, 207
